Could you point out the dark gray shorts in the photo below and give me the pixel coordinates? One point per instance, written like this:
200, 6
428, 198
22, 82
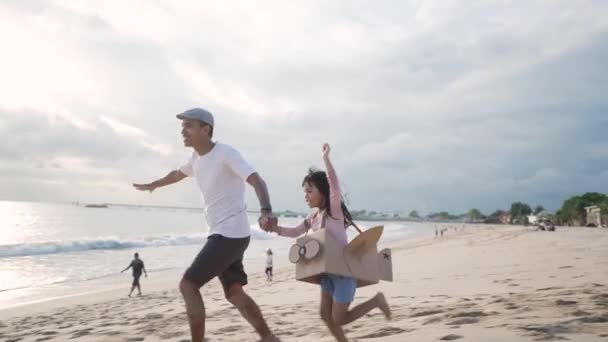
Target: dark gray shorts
136, 277
220, 257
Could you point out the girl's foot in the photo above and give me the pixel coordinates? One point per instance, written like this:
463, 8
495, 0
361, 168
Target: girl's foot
383, 305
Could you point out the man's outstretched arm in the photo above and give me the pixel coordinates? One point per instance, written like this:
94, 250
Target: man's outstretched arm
173, 177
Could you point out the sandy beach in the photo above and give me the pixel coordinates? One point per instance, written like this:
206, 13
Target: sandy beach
481, 283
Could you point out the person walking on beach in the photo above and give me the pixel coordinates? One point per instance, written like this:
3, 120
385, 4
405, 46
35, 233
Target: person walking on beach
322, 192
138, 266
268, 270
220, 173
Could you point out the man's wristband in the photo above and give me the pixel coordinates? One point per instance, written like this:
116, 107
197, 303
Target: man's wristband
268, 209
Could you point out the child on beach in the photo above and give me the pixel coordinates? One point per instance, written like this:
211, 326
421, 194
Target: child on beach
268, 270
322, 193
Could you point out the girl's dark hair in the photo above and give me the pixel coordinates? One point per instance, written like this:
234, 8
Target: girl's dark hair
318, 179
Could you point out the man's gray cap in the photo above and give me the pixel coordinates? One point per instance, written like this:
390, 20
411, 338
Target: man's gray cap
197, 114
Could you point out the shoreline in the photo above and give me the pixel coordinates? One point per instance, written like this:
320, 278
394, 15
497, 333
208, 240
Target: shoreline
168, 280
477, 284
104, 275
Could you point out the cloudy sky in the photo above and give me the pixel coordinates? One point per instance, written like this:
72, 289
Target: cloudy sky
428, 105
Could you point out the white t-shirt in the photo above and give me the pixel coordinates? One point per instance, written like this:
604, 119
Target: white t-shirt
268, 260
220, 175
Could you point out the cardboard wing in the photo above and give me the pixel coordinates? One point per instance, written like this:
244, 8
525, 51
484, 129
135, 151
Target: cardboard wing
318, 253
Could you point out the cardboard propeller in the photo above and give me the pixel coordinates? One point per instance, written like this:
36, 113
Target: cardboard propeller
318, 253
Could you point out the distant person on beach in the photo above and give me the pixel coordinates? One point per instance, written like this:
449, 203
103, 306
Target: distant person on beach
220, 173
268, 270
138, 266
322, 192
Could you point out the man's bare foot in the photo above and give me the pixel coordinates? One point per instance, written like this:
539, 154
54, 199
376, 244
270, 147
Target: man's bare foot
383, 305
270, 338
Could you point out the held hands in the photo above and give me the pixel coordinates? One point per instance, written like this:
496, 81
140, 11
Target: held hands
268, 222
144, 187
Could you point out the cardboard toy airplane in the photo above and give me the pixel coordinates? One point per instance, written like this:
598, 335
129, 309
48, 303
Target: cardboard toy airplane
318, 253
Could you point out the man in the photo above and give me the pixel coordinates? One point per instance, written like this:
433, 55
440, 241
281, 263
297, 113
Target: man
220, 172
138, 265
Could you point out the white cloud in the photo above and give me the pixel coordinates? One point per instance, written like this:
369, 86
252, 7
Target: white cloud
428, 104
122, 128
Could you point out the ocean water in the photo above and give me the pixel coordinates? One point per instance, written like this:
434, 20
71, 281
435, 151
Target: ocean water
50, 250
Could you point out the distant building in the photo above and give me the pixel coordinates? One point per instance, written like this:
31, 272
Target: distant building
505, 218
594, 216
532, 219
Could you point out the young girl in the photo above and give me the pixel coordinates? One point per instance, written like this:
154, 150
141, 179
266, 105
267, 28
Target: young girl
268, 264
322, 192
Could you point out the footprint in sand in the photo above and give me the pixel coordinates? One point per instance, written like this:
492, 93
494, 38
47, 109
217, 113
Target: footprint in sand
425, 313
546, 332
499, 300
600, 299
172, 334
579, 313
230, 329
153, 316
561, 302
432, 320
467, 320
469, 314
550, 288
504, 281
81, 333
387, 331
594, 319
450, 337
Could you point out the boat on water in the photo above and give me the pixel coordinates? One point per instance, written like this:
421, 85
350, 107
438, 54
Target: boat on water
96, 206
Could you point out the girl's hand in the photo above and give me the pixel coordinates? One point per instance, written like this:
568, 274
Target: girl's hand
326, 150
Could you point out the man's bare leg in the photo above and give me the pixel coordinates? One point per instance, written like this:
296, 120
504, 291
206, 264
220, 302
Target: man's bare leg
326, 316
195, 308
250, 311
